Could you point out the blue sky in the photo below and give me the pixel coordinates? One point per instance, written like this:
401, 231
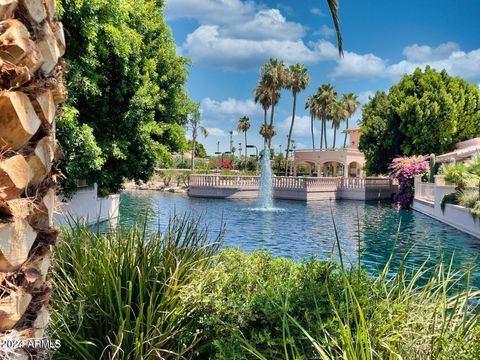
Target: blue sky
228, 41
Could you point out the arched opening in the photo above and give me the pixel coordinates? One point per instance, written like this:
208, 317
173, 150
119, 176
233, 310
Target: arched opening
331, 169
304, 168
354, 170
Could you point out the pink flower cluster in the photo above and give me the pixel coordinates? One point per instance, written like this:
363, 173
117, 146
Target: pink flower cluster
225, 164
404, 169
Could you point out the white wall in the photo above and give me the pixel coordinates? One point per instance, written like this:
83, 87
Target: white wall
453, 215
87, 207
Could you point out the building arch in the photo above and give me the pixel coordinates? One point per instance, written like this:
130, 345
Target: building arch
354, 169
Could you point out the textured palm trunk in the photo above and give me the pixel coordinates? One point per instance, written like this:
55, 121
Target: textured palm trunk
31, 44
194, 141
346, 134
311, 129
290, 132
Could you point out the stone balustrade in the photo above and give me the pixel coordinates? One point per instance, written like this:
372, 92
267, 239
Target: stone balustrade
298, 188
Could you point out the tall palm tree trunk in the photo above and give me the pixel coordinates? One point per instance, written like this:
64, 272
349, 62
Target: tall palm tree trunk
246, 143
291, 131
322, 120
194, 140
345, 140
334, 136
272, 115
31, 86
325, 133
265, 114
311, 129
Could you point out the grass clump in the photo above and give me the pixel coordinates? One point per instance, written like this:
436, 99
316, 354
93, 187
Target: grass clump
119, 295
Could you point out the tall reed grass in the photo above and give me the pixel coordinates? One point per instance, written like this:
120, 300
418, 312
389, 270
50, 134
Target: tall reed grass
119, 295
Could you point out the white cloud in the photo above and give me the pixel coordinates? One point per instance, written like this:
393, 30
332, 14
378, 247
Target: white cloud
317, 11
458, 63
353, 66
301, 128
423, 53
207, 46
229, 107
445, 56
266, 25
211, 11
325, 31
213, 131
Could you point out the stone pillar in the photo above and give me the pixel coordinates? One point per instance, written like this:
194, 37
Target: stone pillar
334, 164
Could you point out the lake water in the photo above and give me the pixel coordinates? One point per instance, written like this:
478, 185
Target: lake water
301, 230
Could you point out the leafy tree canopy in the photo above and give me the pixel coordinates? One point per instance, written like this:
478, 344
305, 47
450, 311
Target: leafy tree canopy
426, 112
200, 151
126, 88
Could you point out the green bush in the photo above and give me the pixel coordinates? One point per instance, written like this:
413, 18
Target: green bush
244, 295
468, 198
120, 295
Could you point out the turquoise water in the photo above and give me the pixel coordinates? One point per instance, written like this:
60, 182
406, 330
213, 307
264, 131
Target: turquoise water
302, 230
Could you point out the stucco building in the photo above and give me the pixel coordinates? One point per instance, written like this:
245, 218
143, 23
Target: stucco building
345, 162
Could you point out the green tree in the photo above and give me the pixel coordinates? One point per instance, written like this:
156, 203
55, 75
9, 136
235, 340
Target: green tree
426, 112
127, 84
194, 123
243, 126
297, 80
200, 151
351, 103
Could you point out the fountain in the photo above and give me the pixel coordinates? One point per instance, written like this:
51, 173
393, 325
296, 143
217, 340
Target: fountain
265, 192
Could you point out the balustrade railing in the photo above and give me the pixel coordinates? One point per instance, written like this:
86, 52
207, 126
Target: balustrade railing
425, 191
281, 182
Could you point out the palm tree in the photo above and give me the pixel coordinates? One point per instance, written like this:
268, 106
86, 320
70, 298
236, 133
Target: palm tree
310, 104
297, 80
338, 113
326, 95
263, 97
194, 122
243, 126
267, 132
274, 76
32, 89
351, 104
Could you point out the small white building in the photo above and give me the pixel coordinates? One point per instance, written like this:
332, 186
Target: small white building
333, 162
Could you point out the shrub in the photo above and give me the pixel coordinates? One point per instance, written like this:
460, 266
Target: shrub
404, 169
119, 295
468, 198
167, 176
245, 294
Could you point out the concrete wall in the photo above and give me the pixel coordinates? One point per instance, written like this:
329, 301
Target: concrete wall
453, 215
87, 207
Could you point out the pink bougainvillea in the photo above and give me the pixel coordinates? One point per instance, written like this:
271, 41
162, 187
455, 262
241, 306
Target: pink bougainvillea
225, 164
404, 170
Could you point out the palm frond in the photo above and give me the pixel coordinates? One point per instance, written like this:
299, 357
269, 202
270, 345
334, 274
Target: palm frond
333, 5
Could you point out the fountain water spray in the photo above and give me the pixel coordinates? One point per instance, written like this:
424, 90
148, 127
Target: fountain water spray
265, 192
